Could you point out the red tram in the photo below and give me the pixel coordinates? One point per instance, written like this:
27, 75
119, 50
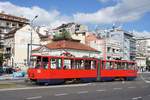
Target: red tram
54, 70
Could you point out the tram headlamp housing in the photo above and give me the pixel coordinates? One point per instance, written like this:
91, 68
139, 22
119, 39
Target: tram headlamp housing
38, 71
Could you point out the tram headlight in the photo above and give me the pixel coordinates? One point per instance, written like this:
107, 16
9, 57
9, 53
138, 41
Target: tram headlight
38, 71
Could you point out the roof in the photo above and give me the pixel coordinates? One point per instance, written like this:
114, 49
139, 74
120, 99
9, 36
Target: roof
13, 18
11, 33
69, 44
64, 26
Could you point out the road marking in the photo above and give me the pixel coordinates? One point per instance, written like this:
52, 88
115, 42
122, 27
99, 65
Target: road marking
146, 81
43, 87
31, 98
131, 87
149, 95
123, 82
136, 98
117, 88
82, 92
100, 90
145, 87
61, 94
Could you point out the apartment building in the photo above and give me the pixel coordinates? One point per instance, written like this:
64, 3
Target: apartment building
127, 43
143, 50
113, 44
9, 23
77, 31
109, 49
17, 50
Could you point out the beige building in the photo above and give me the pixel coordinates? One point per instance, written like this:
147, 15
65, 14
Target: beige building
16, 45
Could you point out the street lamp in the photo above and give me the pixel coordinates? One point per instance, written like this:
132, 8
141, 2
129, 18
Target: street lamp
31, 24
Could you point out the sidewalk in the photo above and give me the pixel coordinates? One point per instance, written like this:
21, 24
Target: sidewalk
143, 72
10, 77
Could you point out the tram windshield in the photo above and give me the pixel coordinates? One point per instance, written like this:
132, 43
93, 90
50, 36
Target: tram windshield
35, 62
39, 62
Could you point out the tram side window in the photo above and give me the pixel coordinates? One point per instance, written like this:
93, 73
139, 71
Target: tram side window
79, 64
124, 65
87, 64
109, 65
67, 64
117, 65
45, 62
56, 63
132, 66
103, 65
38, 62
93, 64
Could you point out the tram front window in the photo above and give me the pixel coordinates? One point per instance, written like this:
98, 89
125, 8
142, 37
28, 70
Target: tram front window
35, 62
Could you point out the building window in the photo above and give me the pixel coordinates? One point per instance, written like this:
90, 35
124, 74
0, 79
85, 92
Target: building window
7, 24
108, 49
13, 25
20, 25
113, 50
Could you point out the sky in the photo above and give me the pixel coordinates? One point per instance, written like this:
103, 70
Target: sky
131, 15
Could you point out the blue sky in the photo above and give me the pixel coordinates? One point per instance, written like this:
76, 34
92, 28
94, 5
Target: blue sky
130, 14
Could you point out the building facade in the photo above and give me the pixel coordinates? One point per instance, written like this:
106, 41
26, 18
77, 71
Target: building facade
71, 48
9, 23
143, 50
109, 49
77, 31
127, 43
16, 48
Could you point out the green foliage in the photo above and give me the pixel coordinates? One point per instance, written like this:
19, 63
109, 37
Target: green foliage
1, 59
65, 35
147, 62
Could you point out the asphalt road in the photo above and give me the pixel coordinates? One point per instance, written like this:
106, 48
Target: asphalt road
116, 90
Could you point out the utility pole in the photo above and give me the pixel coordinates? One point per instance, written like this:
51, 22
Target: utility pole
31, 24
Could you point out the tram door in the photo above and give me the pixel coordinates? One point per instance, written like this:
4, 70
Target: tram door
45, 62
99, 70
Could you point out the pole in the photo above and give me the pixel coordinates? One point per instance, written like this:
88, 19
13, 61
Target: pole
31, 46
28, 59
31, 24
99, 70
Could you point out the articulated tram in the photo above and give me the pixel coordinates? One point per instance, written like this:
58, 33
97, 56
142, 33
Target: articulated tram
58, 69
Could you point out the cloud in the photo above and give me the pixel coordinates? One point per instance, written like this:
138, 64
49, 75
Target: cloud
44, 17
123, 11
141, 34
103, 1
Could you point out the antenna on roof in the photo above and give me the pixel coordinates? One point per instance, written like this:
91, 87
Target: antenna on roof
2, 12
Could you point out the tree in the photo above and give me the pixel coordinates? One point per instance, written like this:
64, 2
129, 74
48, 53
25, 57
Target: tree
64, 35
147, 64
1, 59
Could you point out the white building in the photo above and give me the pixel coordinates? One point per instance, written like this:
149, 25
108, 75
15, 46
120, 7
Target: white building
67, 47
9, 23
77, 31
143, 46
110, 49
127, 43
141, 62
16, 45
143, 50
